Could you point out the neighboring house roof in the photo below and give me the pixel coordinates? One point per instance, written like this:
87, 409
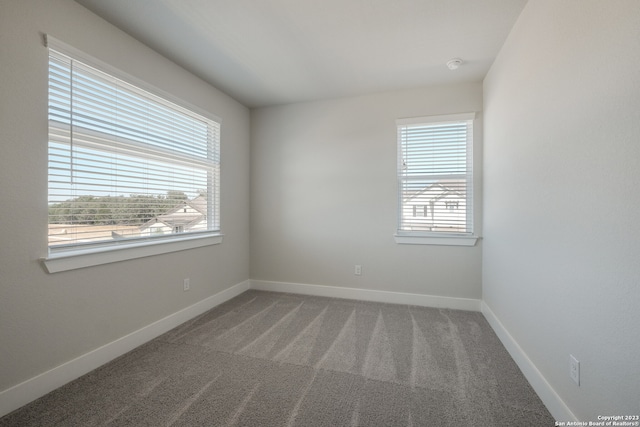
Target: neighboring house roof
438, 190
199, 204
181, 215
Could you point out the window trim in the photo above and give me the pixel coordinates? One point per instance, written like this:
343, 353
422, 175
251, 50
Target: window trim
71, 258
429, 237
440, 240
81, 258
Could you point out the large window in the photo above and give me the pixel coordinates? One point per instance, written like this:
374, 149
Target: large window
435, 178
126, 166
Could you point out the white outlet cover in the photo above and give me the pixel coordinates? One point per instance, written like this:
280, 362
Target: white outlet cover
574, 369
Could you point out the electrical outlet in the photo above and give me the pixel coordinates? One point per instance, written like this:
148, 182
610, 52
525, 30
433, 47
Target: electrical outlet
358, 270
574, 369
186, 285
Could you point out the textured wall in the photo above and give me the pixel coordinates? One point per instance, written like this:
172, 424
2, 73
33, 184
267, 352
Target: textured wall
49, 319
561, 174
323, 195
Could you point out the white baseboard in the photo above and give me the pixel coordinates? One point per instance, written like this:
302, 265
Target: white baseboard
27, 391
559, 410
369, 295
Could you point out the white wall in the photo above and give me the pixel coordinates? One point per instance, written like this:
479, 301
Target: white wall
323, 195
49, 319
561, 254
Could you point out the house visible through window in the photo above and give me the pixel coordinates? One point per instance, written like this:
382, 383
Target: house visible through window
125, 164
435, 175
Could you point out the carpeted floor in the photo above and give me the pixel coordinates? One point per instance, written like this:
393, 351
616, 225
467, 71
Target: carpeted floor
270, 359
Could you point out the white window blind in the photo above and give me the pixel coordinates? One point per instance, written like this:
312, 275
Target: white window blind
435, 175
125, 165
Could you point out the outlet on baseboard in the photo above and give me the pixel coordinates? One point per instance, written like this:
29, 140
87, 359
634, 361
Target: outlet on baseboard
574, 369
186, 285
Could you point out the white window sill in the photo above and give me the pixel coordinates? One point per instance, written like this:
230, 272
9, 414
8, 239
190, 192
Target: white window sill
445, 240
81, 258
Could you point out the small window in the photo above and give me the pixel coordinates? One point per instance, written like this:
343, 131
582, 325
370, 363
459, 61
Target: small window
435, 171
451, 205
125, 164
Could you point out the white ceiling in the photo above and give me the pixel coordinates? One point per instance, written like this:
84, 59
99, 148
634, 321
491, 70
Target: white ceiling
265, 52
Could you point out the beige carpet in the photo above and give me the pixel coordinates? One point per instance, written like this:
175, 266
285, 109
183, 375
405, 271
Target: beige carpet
271, 359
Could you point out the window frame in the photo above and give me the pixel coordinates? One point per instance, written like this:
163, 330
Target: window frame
468, 238
80, 256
